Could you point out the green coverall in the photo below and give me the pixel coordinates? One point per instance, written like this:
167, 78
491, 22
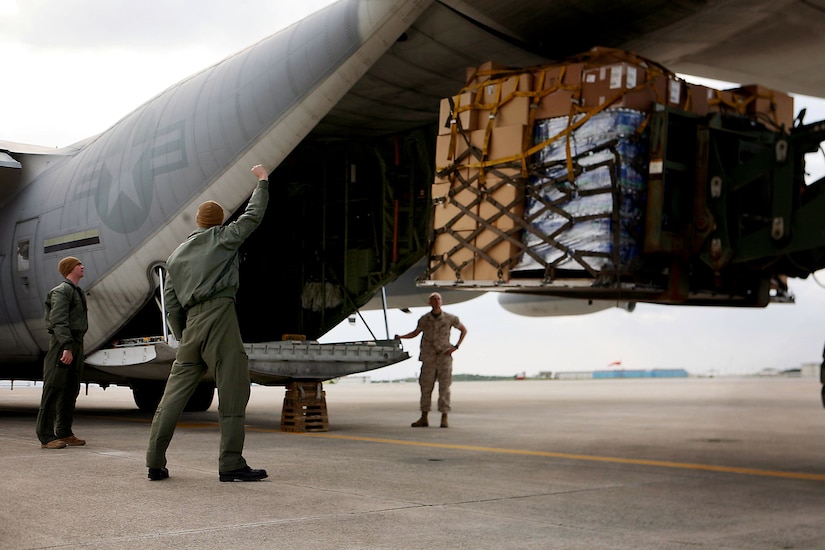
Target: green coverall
201, 282
67, 321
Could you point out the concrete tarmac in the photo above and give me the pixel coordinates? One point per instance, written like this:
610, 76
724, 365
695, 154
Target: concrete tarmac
726, 463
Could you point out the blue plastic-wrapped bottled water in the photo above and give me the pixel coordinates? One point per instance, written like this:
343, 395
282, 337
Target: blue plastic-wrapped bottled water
586, 194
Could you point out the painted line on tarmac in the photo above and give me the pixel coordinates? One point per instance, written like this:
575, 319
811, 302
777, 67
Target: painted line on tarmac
591, 458
524, 452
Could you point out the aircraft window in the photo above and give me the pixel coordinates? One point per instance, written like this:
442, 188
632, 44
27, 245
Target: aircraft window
23, 255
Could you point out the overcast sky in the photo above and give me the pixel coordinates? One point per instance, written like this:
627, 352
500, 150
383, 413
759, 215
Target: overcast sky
73, 68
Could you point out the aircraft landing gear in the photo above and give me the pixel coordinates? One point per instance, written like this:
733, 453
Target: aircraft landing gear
147, 394
201, 400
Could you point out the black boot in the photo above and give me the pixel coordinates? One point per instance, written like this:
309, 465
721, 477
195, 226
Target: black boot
156, 474
243, 474
421, 422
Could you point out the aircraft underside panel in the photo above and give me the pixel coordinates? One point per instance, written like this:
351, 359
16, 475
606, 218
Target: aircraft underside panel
14, 347
15, 341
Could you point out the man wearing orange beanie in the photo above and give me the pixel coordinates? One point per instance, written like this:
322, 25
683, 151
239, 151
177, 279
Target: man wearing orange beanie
67, 321
200, 286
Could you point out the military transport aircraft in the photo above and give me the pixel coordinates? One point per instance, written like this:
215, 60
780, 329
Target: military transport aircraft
343, 107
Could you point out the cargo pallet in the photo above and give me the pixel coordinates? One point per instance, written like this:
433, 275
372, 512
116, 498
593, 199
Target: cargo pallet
305, 408
625, 183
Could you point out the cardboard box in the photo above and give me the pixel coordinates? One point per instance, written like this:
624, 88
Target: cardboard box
501, 181
447, 213
609, 85
504, 142
726, 101
515, 112
558, 103
447, 150
495, 174
499, 97
502, 252
617, 76
510, 197
766, 105
483, 72
500, 210
443, 245
676, 92
507, 193
503, 88
613, 86
697, 97
467, 116
564, 85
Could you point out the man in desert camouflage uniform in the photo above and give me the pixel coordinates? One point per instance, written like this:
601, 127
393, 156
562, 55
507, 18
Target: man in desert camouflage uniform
436, 356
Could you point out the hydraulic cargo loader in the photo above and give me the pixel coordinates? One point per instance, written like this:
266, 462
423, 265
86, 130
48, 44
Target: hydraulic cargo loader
607, 177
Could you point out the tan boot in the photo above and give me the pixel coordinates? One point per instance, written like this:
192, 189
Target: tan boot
421, 422
444, 423
73, 441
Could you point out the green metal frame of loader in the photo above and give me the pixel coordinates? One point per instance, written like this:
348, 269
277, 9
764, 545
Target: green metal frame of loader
729, 216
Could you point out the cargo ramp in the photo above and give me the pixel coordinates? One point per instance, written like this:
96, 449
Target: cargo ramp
145, 363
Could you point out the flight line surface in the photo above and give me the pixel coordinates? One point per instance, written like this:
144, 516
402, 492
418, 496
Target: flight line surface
724, 463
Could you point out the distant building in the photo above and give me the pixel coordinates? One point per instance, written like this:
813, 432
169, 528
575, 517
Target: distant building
353, 379
621, 373
809, 370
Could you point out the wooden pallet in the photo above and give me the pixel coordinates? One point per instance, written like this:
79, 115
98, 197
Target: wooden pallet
305, 408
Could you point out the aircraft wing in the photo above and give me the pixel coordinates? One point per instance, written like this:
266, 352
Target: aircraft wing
20, 163
773, 43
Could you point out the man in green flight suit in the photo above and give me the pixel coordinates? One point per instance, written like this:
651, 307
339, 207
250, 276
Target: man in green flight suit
201, 282
67, 322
